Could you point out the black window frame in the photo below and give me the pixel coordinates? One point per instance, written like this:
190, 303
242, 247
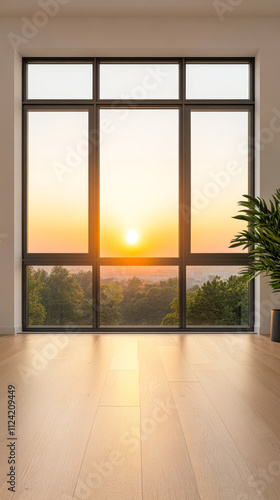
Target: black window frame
92, 259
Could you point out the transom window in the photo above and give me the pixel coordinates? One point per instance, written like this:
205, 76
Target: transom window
133, 169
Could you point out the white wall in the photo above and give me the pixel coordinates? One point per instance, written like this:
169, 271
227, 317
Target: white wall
258, 37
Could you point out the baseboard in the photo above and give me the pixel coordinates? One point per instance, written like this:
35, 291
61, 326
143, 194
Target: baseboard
10, 330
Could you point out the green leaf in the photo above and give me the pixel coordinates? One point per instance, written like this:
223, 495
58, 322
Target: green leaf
261, 237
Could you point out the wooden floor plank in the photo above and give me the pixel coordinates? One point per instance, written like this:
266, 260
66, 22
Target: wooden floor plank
260, 353
257, 362
264, 341
111, 468
121, 388
263, 401
166, 468
248, 430
244, 353
203, 366
125, 356
12, 344
191, 350
175, 365
220, 470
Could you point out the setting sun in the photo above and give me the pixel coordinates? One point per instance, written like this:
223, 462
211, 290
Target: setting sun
132, 237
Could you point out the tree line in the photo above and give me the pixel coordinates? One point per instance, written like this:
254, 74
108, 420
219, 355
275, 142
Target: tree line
64, 298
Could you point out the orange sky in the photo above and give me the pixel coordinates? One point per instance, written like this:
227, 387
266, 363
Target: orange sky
138, 181
57, 182
219, 159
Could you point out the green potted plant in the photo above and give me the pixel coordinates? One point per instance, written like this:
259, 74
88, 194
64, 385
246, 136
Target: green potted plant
262, 238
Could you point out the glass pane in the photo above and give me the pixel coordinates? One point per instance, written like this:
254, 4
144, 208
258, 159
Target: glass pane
139, 81
57, 182
136, 295
139, 183
219, 178
217, 81
59, 81
216, 296
59, 296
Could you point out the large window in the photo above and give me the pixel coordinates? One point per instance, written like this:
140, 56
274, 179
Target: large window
133, 169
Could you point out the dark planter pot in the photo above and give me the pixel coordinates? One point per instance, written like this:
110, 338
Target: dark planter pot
275, 325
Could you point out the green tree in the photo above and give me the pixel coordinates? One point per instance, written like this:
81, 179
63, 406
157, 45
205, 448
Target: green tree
62, 297
205, 306
133, 286
85, 309
173, 317
36, 310
84, 279
150, 304
111, 295
217, 302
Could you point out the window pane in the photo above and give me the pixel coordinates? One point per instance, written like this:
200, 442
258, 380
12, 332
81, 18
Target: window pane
59, 81
135, 295
139, 81
59, 296
57, 182
139, 183
219, 178
216, 296
217, 81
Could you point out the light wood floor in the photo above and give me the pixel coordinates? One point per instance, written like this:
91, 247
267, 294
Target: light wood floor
142, 417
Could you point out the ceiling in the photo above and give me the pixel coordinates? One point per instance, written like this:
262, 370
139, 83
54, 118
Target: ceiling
145, 7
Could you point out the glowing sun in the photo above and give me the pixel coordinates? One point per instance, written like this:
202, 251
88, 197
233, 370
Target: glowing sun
132, 237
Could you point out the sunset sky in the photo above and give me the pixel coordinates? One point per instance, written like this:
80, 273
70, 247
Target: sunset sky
219, 158
57, 182
139, 182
